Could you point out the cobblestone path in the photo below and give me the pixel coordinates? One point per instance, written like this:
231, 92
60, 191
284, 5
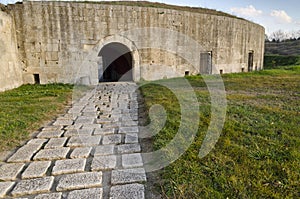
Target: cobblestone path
92, 151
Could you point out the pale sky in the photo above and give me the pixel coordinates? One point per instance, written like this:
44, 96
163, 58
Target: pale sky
272, 14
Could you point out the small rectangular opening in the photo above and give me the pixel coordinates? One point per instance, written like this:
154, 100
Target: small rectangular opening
186, 73
221, 71
250, 61
243, 70
36, 78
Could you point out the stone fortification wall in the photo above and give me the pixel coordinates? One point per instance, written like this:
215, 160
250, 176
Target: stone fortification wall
11, 72
61, 41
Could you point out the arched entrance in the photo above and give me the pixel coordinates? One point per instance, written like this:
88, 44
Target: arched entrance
117, 64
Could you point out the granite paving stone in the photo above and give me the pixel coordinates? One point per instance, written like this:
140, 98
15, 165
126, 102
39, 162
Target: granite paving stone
128, 191
49, 196
52, 154
81, 152
93, 193
25, 153
104, 150
36, 169
128, 176
79, 181
104, 131
112, 139
55, 143
4, 187
132, 160
84, 141
68, 166
131, 138
129, 148
104, 162
33, 186
128, 130
50, 134
10, 171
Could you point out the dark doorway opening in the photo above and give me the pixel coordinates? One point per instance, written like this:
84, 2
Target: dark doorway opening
116, 63
36, 78
250, 61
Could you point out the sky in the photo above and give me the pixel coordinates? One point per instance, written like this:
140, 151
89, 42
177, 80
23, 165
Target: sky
274, 15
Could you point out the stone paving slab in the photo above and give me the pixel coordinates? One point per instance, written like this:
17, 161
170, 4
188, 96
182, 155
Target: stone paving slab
128, 191
49, 196
104, 150
33, 186
129, 148
128, 176
25, 153
112, 139
104, 162
131, 138
132, 160
84, 141
94, 193
79, 181
4, 187
56, 143
10, 171
36, 169
68, 166
81, 152
52, 154
50, 134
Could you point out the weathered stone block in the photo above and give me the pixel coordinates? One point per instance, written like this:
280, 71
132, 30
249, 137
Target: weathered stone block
129, 191
10, 171
50, 134
112, 139
52, 154
104, 162
79, 181
25, 153
104, 150
82, 152
49, 196
68, 166
84, 141
55, 143
36, 169
94, 193
4, 187
132, 160
131, 138
128, 176
129, 148
129, 130
33, 186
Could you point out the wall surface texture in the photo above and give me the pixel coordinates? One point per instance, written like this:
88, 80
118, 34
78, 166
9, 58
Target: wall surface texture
10, 68
61, 41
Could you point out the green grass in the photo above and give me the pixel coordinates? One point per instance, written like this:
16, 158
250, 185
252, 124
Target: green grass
257, 155
26, 108
278, 61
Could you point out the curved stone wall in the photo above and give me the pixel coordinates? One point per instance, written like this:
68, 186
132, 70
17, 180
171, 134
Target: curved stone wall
61, 41
11, 72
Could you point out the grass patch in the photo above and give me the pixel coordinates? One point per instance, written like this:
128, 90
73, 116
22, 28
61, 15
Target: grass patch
26, 108
257, 155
